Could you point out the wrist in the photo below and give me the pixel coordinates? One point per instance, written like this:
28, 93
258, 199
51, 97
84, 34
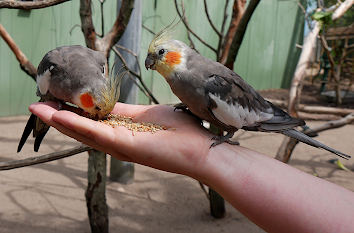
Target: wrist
222, 163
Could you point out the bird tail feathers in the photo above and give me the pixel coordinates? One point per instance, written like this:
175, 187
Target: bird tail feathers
310, 141
39, 129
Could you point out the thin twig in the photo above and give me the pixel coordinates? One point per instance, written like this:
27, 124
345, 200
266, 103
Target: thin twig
30, 4
73, 27
119, 26
43, 158
192, 45
130, 76
120, 56
102, 17
209, 19
189, 29
146, 91
225, 17
148, 29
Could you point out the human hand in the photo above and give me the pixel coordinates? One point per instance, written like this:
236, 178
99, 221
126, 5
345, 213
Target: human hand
182, 148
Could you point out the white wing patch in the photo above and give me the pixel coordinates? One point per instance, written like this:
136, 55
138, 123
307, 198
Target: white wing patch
43, 81
235, 115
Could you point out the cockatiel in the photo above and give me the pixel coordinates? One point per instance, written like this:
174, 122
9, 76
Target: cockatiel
218, 95
77, 75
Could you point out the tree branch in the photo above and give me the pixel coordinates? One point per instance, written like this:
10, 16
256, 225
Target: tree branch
192, 45
209, 19
343, 7
43, 158
29, 5
237, 13
86, 24
225, 18
119, 26
25, 64
240, 32
144, 88
314, 109
191, 31
306, 55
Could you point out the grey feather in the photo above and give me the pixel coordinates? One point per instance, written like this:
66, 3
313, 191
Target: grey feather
306, 139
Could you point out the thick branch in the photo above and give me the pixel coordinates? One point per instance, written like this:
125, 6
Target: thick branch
29, 5
240, 32
300, 71
237, 13
25, 64
306, 55
86, 24
343, 7
315, 109
119, 26
43, 159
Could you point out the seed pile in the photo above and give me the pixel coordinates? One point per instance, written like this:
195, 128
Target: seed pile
117, 120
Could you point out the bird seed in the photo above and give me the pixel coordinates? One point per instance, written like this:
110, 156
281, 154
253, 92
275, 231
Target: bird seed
114, 120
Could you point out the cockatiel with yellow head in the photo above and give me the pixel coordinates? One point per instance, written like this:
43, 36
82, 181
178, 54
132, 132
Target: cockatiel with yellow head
218, 95
77, 75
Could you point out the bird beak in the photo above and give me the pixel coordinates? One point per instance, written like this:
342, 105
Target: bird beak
150, 61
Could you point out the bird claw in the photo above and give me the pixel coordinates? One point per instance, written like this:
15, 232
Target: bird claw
221, 139
181, 106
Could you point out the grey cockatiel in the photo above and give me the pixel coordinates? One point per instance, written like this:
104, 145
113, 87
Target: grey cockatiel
216, 94
77, 75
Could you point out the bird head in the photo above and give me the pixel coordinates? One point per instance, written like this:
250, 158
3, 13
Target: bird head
99, 102
165, 54
78, 75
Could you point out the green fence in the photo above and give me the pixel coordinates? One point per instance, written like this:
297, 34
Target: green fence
267, 57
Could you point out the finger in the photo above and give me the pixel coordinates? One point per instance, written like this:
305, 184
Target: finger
44, 110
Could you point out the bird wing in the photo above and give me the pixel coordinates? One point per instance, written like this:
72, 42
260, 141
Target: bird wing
234, 102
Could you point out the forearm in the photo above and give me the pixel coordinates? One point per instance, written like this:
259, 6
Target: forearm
275, 196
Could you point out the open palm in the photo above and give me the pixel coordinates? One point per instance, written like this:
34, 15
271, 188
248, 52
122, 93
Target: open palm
181, 148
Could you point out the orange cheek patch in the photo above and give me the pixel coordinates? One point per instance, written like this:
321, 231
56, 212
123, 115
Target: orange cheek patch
173, 58
86, 100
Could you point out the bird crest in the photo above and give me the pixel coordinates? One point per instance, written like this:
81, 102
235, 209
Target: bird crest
164, 35
111, 92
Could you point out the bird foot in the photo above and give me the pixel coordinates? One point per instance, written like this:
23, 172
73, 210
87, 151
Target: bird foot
181, 106
221, 139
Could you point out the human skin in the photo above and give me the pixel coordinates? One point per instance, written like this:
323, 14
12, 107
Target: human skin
272, 194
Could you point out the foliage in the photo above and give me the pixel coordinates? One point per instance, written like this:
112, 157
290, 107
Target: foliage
346, 20
323, 17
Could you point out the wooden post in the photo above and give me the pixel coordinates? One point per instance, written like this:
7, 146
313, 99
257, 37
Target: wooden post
96, 192
217, 202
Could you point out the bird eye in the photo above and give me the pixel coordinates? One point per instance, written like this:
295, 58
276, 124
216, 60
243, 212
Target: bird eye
97, 108
161, 51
